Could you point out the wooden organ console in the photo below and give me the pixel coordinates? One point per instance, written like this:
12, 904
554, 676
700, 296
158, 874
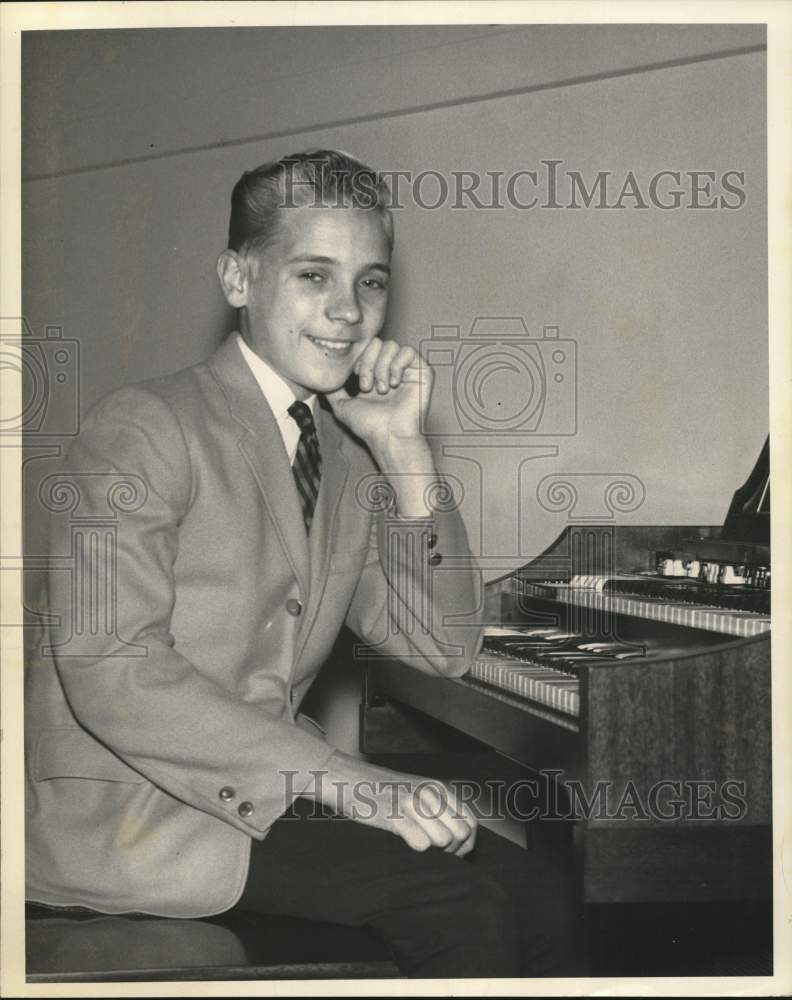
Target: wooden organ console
631, 665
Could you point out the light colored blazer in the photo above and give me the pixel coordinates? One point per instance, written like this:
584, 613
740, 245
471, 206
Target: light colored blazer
194, 614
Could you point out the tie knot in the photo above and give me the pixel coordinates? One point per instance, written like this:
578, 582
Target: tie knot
301, 414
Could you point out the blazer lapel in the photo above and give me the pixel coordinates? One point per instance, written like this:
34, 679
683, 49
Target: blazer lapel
261, 445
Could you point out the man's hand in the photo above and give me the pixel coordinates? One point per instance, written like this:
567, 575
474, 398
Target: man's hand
395, 387
388, 413
424, 812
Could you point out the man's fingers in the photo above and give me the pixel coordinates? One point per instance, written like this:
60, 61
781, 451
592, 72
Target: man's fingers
425, 807
422, 834
382, 366
440, 795
463, 810
438, 833
437, 804
434, 807
467, 846
413, 834
462, 821
364, 366
403, 359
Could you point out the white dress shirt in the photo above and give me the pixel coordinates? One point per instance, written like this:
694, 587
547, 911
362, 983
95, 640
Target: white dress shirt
278, 395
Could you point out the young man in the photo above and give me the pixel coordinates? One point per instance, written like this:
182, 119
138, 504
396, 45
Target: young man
164, 748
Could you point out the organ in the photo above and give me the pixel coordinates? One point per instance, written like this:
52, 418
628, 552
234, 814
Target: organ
631, 664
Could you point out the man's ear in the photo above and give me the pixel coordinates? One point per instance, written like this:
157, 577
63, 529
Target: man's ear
233, 277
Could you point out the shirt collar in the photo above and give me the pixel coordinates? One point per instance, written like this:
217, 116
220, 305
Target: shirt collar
275, 389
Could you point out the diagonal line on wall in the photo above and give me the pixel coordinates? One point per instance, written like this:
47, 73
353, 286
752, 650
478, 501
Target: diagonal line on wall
401, 112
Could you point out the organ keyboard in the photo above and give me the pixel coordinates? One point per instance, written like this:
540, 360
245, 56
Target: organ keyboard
625, 659
657, 604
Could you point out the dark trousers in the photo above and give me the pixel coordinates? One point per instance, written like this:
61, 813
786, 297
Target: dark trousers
501, 911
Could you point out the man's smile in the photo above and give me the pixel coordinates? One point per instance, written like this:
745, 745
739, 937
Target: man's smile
340, 348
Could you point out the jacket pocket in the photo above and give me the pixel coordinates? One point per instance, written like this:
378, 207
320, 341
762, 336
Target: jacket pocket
70, 752
341, 562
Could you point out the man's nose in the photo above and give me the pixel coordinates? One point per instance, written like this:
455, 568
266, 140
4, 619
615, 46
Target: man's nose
344, 307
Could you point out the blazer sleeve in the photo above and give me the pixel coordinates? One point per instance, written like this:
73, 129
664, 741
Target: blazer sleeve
137, 694
420, 597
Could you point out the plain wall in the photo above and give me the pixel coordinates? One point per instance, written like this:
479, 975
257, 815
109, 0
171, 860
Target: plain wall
133, 141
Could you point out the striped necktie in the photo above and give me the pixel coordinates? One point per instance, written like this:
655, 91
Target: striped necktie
307, 466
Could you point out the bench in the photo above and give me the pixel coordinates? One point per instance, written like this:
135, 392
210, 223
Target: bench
81, 946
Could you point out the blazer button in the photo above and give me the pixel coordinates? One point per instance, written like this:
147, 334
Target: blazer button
293, 606
435, 559
245, 809
227, 793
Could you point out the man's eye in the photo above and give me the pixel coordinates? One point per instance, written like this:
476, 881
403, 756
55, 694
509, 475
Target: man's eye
374, 283
312, 276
